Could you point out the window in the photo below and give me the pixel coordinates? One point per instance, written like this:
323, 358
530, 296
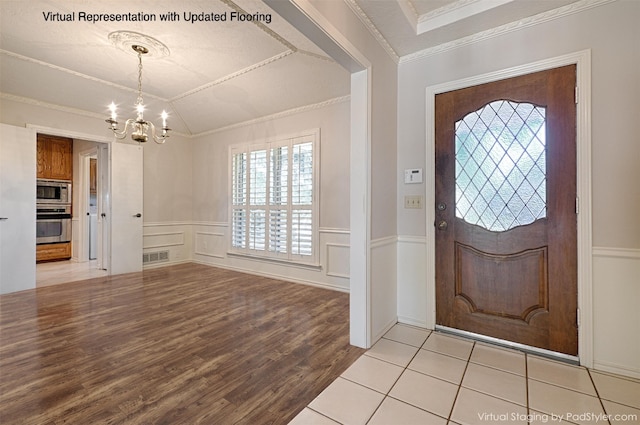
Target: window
273, 198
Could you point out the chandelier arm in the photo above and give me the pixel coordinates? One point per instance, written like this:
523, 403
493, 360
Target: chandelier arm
120, 134
159, 140
139, 126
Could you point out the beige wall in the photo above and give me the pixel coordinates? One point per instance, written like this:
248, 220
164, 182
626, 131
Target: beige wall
211, 162
611, 33
167, 168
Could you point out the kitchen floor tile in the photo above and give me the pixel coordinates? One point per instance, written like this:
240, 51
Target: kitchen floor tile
373, 373
496, 383
617, 389
499, 358
562, 402
546, 418
448, 345
455, 381
393, 411
439, 366
425, 392
476, 408
407, 335
347, 402
392, 352
572, 377
310, 417
623, 415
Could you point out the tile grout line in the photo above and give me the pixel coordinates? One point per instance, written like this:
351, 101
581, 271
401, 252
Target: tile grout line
598, 394
399, 376
455, 399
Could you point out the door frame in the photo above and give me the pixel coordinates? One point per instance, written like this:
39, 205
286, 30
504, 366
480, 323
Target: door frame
83, 190
582, 60
107, 141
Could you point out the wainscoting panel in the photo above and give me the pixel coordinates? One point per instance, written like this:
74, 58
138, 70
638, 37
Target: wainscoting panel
384, 290
337, 260
210, 246
210, 241
174, 237
616, 316
412, 282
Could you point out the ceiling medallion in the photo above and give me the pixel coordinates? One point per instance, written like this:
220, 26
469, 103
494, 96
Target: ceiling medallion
140, 45
125, 40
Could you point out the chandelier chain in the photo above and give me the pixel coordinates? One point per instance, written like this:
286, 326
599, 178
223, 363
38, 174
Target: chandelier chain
142, 130
139, 101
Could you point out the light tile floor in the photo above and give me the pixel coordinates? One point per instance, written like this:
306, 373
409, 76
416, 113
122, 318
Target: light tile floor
415, 376
57, 272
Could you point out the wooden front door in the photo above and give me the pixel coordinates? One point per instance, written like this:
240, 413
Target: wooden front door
506, 230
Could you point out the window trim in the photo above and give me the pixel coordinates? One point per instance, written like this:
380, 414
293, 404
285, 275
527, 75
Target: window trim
310, 135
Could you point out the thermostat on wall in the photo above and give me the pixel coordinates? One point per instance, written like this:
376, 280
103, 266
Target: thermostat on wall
413, 175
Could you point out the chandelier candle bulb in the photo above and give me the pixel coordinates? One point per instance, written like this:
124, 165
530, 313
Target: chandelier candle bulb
141, 130
112, 108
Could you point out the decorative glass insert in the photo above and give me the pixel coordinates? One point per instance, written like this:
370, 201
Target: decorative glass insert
501, 165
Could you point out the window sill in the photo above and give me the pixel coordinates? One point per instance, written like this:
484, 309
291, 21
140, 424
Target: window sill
281, 261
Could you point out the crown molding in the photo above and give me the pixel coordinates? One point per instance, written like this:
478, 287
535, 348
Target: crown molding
76, 74
277, 115
42, 104
355, 7
233, 75
540, 18
61, 108
289, 112
262, 26
453, 12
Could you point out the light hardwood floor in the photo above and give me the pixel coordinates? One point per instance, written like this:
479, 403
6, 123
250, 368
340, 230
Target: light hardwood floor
57, 272
185, 344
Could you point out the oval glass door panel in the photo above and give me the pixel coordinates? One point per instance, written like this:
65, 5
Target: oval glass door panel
500, 166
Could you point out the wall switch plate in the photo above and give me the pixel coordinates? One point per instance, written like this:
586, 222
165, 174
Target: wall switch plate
413, 202
413, 176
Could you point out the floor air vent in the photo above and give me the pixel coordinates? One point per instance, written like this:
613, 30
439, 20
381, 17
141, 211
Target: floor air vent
155, 257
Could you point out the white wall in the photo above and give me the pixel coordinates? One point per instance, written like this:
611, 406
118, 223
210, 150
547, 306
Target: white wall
612, 34
342, 23
210, 177
167, 172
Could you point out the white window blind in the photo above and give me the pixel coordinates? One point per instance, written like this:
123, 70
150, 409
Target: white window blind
273, 199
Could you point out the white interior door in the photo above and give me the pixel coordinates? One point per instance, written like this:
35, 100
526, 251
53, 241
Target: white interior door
17, 208
103, 207
126, 208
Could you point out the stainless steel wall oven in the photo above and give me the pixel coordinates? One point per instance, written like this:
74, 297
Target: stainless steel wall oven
53, 223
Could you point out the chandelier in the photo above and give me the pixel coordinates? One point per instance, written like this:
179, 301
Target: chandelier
141, 129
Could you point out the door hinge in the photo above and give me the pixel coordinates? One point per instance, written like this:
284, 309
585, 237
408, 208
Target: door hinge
576, 94
577, 205
578, 317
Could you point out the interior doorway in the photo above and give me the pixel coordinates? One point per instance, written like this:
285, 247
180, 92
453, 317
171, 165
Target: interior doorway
89, 188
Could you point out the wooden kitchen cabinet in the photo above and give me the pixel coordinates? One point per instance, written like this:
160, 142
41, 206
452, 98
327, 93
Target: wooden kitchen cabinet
53, 251
55, 157
93, 175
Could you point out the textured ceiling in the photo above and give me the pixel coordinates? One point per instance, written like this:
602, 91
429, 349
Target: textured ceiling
410, 26
218, 74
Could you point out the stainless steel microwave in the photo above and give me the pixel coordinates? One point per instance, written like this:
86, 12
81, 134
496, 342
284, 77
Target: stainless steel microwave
53, 192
